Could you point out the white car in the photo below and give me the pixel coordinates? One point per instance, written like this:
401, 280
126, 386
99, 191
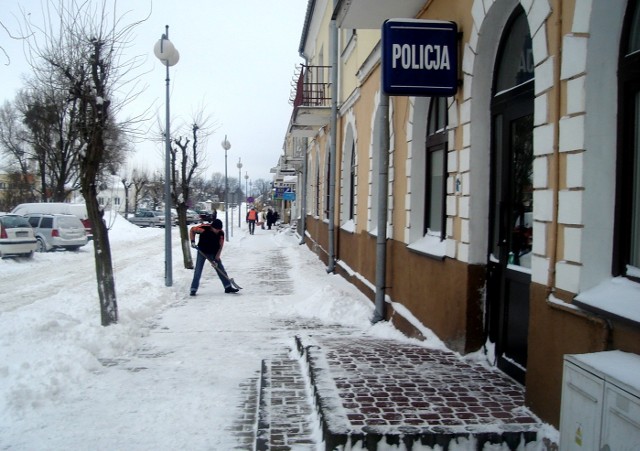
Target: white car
16, 236
148, 218
57, 231
61, 208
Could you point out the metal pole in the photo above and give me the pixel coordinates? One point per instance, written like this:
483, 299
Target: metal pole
303, 197
383, 180
226, 193
239, 190
333, 143
168, 276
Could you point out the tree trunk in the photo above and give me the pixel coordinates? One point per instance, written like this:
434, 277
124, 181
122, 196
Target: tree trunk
184, 235
104, 268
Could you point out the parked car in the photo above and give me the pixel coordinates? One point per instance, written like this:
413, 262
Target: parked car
55, 231
64, 208
148, 218
192, 217
16, 236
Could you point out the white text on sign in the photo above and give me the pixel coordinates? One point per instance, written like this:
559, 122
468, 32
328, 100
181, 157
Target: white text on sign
429, 57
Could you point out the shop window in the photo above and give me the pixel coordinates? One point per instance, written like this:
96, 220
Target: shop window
327, 187
436, 168
627, 248
317, 191
352, 182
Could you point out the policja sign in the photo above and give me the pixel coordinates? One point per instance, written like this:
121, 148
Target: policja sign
419, 57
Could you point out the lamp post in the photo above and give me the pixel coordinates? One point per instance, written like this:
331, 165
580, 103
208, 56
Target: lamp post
239, 165
226, 145
167, 53
246, 181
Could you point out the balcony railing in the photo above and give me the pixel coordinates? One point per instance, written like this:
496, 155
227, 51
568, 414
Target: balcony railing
312, 87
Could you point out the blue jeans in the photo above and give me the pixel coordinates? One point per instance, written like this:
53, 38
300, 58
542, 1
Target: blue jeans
200, 261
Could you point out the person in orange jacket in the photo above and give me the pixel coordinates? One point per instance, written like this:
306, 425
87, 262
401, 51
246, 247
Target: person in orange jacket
252, 217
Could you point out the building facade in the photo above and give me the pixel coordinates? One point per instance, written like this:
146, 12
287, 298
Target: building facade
505, 217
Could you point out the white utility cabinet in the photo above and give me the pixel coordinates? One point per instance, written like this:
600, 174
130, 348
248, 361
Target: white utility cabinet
600, 402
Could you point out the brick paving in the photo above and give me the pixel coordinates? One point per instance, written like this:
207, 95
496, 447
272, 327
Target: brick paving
286, 414
377, 393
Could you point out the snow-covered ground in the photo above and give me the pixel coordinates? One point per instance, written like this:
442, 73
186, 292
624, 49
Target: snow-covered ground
168, 375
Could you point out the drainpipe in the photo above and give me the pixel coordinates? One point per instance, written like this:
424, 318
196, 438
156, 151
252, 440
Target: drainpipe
383, 180
303, 197
334, 138
555, 166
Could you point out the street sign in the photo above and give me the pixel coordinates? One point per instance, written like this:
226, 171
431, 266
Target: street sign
280, 190
250, 200
289, 196
419, 57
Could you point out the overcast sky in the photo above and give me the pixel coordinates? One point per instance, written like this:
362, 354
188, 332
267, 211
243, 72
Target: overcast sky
237, 62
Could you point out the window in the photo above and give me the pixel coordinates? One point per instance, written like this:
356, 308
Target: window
317, 190
327, 190
436, 169
352, 182
627, 249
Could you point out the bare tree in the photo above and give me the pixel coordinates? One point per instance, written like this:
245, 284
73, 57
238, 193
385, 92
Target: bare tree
263, 189
139, 180
14, 146
53, 138
186, 163
79, 51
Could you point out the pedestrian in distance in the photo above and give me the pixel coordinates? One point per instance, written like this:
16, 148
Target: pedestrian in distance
252, 217
270, 218
210, 244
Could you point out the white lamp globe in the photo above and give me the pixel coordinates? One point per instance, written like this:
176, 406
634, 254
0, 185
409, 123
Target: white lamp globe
166, 52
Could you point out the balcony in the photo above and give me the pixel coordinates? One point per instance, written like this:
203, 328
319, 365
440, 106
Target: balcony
370, 14
311, 100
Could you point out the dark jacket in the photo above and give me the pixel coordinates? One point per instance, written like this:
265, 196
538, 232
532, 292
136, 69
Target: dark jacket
210, 241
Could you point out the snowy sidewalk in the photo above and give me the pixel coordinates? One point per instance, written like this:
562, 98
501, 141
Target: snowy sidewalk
290, 363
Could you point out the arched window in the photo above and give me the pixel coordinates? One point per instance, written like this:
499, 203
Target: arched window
627, 244
436, 168
317, 189
327, 187
352, 182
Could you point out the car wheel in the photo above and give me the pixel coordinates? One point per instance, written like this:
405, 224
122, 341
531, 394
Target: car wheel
29, 255
41, 246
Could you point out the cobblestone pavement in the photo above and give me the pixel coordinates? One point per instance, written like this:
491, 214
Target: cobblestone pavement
341, 390
378, 393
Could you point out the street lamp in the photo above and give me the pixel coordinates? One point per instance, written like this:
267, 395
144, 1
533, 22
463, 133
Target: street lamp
226, 145
246, 180
167, 53
239, 187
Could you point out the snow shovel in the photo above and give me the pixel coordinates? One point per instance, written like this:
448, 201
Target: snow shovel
215, 265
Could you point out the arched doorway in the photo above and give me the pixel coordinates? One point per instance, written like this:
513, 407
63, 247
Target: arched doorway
511, 198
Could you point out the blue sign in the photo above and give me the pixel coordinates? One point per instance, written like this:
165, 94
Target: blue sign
280, 190
419, 58
288, 195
